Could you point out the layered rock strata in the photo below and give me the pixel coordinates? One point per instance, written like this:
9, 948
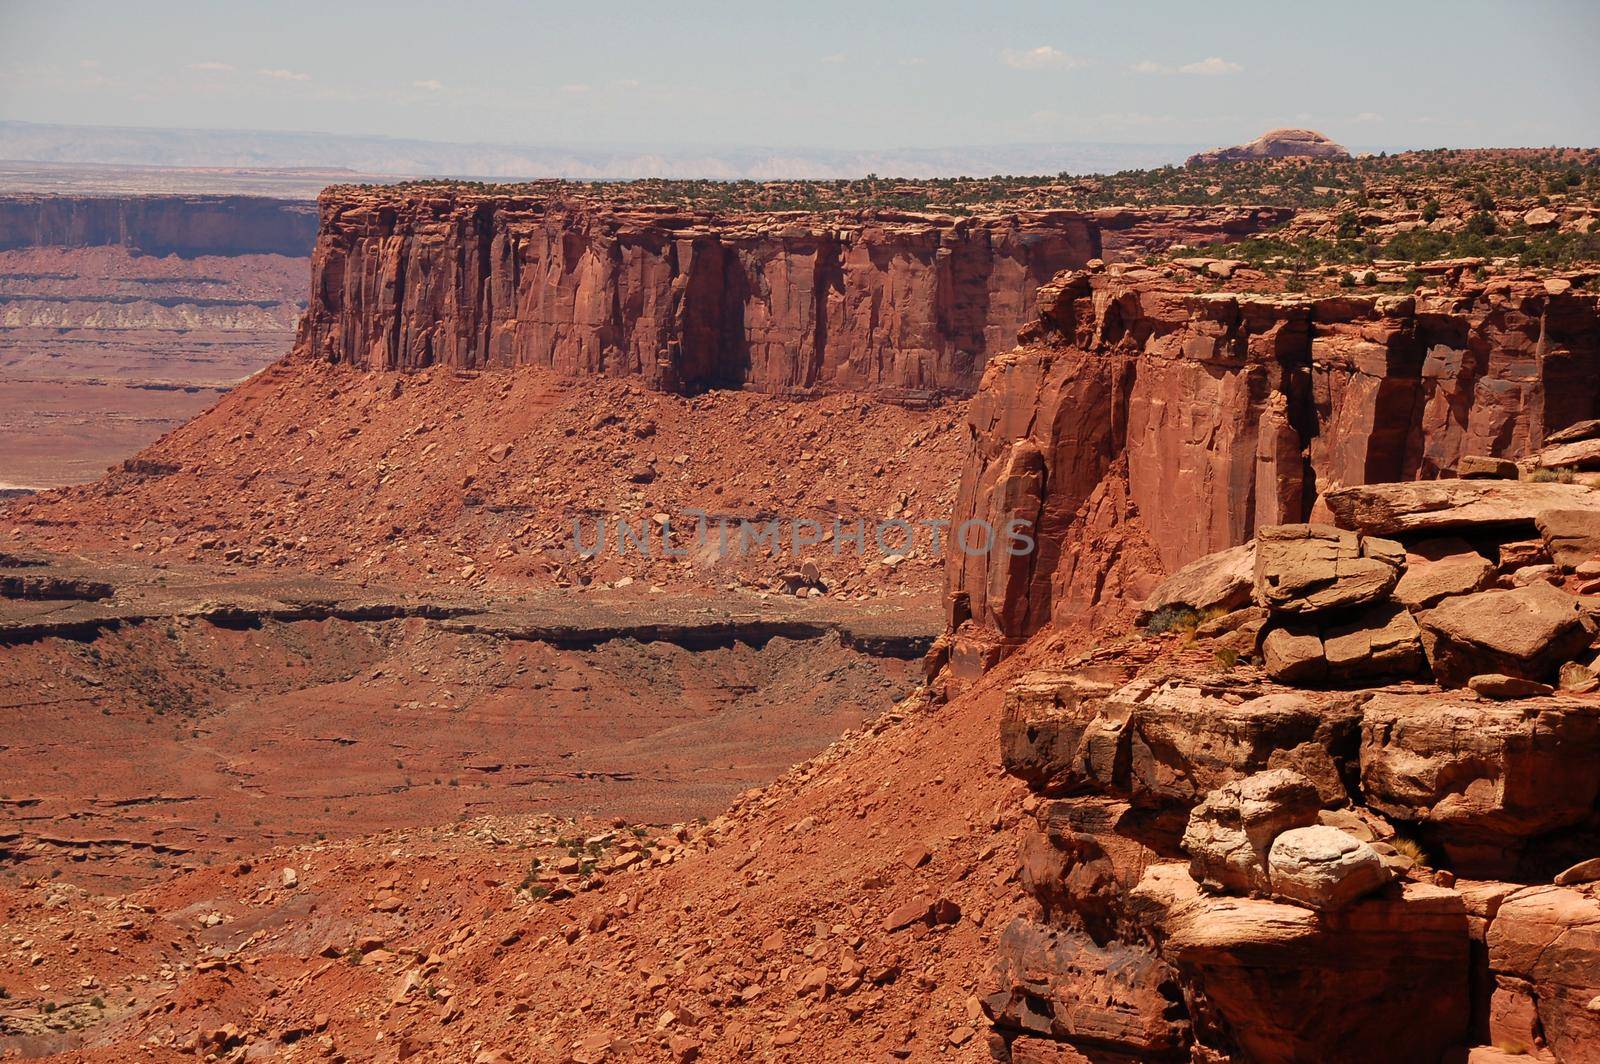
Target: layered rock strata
1143, 425
1227, 860
784, 303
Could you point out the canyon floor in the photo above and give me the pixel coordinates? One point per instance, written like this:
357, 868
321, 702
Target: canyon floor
103, 350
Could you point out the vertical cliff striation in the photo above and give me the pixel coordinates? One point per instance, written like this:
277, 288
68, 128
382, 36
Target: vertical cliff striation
783, 303
1144, 424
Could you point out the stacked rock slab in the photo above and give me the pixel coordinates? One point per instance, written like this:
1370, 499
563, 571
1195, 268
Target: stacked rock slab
1364, 859
1200, 874
1328, 594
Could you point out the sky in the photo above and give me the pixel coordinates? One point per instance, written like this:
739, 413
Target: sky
851, 75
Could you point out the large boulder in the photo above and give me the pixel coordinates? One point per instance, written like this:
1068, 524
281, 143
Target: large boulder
1544, 953
1433, 506
1185, 741
1323, 867
1059, 984
1044, 720
1380, 643
1482, 778
1217, 582
1438, 569
1582, 430
1528, 632
1381, 980
1231, 831
1307, 568
1571, 536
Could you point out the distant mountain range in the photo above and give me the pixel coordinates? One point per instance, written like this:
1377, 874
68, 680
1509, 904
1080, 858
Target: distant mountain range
121, 146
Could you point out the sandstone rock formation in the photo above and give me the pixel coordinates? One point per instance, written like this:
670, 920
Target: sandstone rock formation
1380, 834
1286, 143
869, 300
1381, 643
1129, 232
1231, 831
1306, 569
1527, 632
1143, 425
1323, 867
1223, 582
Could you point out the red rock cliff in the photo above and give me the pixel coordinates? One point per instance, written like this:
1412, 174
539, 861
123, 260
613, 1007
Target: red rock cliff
1141, 426
874, 300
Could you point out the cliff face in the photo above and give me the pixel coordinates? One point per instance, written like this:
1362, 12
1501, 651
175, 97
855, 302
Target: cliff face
160, 225
894, 303
1142, 426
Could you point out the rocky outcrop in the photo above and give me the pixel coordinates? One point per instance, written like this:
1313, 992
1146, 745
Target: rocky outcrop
1304, 569
1345, 859
1544, 953
1133, 232
1286, 143
1143, 425
161, 225
786, 303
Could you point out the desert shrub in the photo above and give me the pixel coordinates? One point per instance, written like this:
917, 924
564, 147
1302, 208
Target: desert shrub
1409, 848
1227, 657
1174, 618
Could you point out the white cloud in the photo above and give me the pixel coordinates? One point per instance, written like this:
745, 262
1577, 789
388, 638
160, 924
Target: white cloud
1037, 58
1149, 66
89, 64
1213, 66
628, 83
1369, 116
279, 74
211, 65
431, 84
575, 90
835, 58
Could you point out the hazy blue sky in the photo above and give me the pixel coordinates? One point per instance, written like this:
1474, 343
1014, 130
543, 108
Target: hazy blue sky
857, 74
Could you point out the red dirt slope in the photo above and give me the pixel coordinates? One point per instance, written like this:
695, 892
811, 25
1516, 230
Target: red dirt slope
476, 480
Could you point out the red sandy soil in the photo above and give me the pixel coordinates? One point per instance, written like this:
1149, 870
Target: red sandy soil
772, 933
67, 432
192, 741
103, 351
469, 480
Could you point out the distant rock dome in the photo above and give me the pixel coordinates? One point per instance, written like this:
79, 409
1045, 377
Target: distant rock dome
1275, 144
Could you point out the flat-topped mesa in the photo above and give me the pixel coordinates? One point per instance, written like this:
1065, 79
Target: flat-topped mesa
1275, 144
1145, 423
186, 226
872, 300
